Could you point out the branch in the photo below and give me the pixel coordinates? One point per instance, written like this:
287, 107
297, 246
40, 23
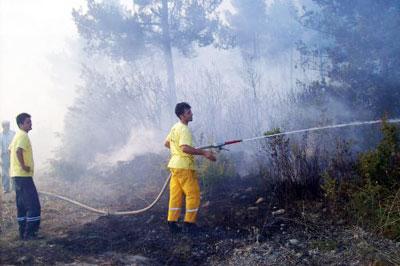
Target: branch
155, 11
150, 23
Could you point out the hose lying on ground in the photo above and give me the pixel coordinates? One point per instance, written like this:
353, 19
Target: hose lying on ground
108, 212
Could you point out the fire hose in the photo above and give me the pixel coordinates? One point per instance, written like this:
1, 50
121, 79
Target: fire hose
217, 146
99, 211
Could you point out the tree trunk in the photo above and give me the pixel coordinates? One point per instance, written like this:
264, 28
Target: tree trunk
167, 50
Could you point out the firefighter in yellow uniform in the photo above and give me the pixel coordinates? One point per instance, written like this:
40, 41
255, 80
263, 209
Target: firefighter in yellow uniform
21, 170
184, 180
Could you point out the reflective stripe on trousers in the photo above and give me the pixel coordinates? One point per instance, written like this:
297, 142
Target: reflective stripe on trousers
28, 206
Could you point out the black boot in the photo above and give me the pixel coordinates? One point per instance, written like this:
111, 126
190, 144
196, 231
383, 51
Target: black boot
191, 228
32, 228
22, 227
174, 228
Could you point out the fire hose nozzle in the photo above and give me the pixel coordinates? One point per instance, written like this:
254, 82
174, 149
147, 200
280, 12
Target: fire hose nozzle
219, 146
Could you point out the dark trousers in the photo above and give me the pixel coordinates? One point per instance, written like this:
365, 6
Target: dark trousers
28, 206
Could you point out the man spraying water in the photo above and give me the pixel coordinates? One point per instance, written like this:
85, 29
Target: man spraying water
184, 179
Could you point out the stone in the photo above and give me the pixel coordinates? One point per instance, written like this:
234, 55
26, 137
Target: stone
260, 200
206, 204
341, 222
137, 260
25, 260
249, 189
278, 212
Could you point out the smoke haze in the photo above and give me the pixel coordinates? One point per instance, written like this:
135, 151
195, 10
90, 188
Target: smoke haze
39, 67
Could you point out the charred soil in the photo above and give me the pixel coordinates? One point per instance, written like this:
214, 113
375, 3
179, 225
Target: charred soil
237, 228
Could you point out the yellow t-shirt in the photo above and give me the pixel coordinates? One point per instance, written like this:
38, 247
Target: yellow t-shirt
21, 140
180, 135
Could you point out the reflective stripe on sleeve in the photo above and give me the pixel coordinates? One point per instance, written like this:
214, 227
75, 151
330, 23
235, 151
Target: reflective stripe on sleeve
192, 210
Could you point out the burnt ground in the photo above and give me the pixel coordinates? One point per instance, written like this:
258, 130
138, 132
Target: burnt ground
238, 229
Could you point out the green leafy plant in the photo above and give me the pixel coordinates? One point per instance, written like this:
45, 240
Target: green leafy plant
212, 174
368, 190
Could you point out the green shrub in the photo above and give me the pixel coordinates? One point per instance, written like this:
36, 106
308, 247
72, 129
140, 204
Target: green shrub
330, 188
368, 191
382, 165
339, 177
212, 174
365, 203
377, 208
377, 202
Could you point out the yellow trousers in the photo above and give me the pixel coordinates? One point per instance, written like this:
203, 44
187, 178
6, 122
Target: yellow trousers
183, 182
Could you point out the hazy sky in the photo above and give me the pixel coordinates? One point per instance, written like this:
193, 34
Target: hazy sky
40, 59
38, 66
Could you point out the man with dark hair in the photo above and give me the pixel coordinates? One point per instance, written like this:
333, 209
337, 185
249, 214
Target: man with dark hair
6, 137
21, 170
184, 180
